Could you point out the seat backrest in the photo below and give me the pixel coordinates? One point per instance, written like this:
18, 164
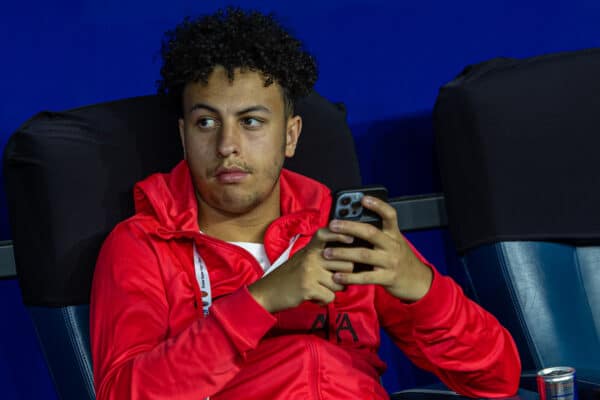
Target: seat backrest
517, 142
69, 178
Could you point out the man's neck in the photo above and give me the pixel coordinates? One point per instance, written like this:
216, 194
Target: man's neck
247, 227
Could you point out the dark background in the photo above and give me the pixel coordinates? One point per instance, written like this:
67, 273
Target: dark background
384, 59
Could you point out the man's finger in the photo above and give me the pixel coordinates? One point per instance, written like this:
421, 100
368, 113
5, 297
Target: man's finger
329, 283
323, 295
358, 278
360, 255
338, 266
360, 230
387, 213
325, 235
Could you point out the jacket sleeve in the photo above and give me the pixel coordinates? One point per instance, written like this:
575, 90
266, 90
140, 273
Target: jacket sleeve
134, 356
453, 337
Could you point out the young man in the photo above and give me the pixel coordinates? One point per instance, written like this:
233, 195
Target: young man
222, 285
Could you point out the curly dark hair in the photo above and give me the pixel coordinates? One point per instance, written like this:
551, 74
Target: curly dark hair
234, 38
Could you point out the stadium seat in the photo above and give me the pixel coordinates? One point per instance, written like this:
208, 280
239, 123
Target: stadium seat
518, 144
69, 178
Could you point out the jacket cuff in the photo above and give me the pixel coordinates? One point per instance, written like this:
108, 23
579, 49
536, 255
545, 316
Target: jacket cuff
435, 305
244, 320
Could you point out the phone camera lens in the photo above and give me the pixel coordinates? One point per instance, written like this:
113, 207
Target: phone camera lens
345, 201
343, 212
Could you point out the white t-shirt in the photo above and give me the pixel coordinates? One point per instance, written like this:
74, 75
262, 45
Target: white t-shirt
258, 252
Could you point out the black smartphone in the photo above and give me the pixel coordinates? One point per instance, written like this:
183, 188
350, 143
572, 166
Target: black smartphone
346, 205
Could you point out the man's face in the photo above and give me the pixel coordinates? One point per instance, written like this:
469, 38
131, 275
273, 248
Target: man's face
235, 137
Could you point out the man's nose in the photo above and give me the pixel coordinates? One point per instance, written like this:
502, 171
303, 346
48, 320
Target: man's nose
228, 140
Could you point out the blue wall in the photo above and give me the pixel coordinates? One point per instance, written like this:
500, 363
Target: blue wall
384, 59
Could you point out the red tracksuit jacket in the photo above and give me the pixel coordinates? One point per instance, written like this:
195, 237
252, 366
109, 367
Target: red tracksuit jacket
150, 339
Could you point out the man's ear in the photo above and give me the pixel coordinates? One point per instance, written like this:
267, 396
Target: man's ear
292, 134
181, 125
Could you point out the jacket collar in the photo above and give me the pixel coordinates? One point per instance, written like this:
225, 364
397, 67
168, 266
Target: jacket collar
170, 198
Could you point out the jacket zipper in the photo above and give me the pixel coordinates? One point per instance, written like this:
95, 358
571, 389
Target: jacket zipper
314, 371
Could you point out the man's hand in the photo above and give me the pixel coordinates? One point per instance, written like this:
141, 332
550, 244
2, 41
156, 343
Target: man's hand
396, 267
307, 275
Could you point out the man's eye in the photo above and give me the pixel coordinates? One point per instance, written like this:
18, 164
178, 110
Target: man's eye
207, 123
251, 122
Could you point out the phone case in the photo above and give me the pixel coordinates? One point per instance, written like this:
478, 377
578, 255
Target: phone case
346, 206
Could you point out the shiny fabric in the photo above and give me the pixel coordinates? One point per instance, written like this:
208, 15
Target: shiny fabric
150, 339
546, 294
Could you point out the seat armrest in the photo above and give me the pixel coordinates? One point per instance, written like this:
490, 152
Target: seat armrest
63, 333
426, 394
528, 380
420, 212
7, 260
440, 392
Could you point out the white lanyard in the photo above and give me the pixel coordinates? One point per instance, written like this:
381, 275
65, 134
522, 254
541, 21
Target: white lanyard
203, 280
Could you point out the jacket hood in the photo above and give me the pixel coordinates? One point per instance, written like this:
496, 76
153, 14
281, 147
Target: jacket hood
170, 198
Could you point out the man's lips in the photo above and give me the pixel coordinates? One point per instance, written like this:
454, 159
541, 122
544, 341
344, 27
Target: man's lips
230, 175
